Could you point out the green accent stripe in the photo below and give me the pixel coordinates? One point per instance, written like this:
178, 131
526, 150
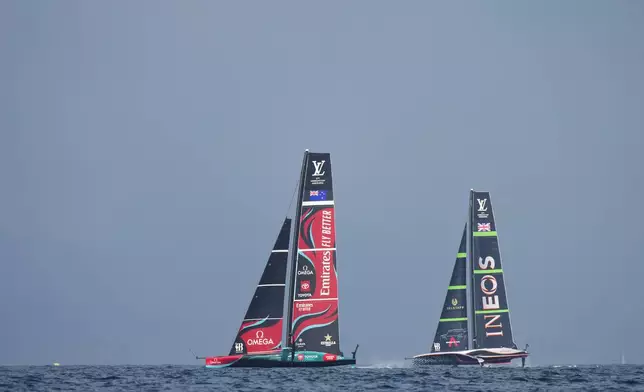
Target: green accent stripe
461, 255
484, 234
457, 287
492, 311
453, 319
492, 271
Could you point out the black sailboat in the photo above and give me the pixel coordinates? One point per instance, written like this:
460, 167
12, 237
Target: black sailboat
474, 326
310, 337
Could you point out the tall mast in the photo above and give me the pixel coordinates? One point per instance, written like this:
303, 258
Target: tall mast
293, 261
470, 278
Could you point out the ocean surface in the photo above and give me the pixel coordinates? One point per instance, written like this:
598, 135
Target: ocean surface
361, 378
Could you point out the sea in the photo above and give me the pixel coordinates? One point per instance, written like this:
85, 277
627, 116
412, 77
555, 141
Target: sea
361, 378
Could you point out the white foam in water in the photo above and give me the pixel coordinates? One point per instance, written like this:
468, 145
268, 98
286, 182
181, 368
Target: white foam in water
386, 364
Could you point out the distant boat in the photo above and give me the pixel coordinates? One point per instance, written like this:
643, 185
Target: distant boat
311, 331
479, 334
623, 359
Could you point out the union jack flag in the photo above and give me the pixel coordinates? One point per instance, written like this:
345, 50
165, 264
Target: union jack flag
483, 227
313, 193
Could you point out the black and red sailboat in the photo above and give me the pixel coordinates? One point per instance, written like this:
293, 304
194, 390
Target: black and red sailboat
474, 327
310, 329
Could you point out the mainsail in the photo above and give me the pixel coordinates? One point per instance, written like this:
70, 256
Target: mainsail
451, 333
261, 329
492, 327
313, 324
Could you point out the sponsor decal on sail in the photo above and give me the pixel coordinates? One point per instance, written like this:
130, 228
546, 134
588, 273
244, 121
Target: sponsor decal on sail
483, 227
305, 271
305, 285
260, 340
490, 299
300, 343
481, 212
455, 305
328, 341
304, 306
452, 342
318, 172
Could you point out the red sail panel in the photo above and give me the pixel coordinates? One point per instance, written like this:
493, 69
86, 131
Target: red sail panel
317, 245
259, 337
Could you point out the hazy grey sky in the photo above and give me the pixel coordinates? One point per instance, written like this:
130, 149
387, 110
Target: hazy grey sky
149, 150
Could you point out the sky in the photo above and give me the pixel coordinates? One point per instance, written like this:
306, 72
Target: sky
149, 151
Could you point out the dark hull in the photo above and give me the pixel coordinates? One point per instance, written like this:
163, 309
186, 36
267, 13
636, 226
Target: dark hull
475, 357
278, 360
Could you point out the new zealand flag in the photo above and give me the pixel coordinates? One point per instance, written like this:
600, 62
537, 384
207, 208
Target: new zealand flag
317, 195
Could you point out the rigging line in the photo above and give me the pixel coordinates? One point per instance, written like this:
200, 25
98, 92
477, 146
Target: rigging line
297, 183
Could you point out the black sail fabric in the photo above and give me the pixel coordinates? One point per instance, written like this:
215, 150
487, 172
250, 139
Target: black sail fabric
451, 332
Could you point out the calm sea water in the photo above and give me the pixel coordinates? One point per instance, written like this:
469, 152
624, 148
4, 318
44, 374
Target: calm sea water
374, 378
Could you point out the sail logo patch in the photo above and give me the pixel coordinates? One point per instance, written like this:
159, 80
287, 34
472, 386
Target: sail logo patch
259, 340
318, 173
437, 347
300, 343
239, 347
305, 271
318, 166
304, 307
455, 305
328, 341
453, 342
305, 285
483, 227
482, 208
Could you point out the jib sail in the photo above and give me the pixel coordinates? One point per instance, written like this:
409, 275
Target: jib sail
261, 329
491, 314
451, 333
314, 323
